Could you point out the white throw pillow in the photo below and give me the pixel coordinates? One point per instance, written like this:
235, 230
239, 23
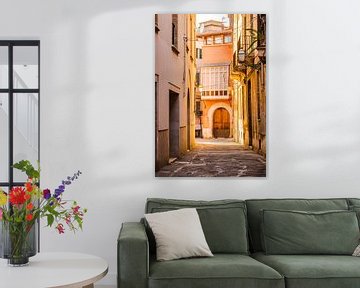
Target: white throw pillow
357, 251
178, 234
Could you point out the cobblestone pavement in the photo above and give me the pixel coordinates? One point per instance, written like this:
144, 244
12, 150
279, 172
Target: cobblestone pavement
216, 158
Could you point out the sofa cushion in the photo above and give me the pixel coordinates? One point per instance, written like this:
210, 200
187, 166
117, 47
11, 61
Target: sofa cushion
356, 209
353, 201
222, 270
313, 271
254, 216
354, 205
223, 221
178, 234
297, 232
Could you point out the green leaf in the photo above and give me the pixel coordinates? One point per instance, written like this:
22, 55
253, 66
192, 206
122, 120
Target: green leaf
50, 219
79, 221
52, 211
22, 164
28, 168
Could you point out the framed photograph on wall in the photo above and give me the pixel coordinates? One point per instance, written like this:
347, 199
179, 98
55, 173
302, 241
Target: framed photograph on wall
210, 95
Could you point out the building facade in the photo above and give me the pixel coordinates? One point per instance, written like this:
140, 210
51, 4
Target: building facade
214, 43
175, 75
248, 78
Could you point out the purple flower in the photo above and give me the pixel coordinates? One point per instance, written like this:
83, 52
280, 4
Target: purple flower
68, 181
57, 193
46, 194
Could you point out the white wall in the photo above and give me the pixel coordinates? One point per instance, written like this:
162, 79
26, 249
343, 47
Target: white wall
97, 106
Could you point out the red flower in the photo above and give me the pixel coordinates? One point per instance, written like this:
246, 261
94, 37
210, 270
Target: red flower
68, 219
29, 217
27, 196
60, 228
75, 209
29, 187
17, 196
29, 206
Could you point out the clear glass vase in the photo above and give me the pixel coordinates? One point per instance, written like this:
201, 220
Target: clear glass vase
18, 242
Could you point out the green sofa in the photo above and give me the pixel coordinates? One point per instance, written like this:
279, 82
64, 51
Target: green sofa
234, 230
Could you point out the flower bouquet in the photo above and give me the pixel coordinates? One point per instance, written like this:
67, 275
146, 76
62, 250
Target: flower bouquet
21, 208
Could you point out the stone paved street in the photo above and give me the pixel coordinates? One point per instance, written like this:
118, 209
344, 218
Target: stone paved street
216, 158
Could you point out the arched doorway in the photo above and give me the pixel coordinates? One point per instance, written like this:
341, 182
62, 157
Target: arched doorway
221, 123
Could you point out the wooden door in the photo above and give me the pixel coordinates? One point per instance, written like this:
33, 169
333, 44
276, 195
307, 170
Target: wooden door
221, 123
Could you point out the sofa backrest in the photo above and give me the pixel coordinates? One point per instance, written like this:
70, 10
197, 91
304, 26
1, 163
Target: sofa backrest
256, 205
223, 221
353, 202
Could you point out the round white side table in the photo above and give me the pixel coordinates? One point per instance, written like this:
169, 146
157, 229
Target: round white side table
50, 270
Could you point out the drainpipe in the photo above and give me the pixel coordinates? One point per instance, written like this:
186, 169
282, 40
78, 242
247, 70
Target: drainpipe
184, 82
184, 71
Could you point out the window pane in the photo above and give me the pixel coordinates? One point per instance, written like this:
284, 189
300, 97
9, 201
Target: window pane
4, 137
227, 39
4, 67
26, 131
26, 67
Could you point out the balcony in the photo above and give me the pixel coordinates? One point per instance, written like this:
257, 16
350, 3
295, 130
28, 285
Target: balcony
215, 94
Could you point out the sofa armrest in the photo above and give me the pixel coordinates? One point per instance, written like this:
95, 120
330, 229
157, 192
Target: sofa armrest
133, 256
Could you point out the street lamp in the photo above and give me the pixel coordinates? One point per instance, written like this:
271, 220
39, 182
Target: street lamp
241, 56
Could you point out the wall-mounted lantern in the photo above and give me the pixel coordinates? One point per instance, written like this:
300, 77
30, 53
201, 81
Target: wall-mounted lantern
241, 56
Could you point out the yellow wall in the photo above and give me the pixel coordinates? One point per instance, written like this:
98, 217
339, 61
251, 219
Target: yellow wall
249, 87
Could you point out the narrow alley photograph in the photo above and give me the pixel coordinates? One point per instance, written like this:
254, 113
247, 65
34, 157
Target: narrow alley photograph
210, 95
